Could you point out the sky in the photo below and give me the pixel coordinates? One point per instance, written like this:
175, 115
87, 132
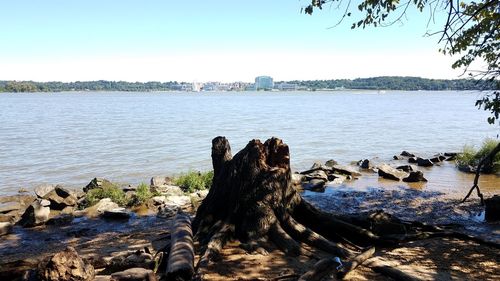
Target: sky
159, 40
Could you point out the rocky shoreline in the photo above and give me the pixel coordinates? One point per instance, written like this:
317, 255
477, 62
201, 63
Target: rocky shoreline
112, 242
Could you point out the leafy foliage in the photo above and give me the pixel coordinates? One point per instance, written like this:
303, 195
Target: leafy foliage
30, 86
108, 190
143, 193
470, 156
193, 181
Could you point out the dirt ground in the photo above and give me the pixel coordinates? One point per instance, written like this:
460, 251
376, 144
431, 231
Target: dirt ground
430, 259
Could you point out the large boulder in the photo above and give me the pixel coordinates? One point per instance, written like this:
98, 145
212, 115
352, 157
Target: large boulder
317, 174
65, 266
388, 172
43, 189
178, 200
415, 176
36, 214
60, 198
96, 183
167, 190
492, 211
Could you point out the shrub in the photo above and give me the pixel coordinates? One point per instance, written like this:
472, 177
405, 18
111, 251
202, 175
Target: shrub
193, 181
143, 193
471, 157
108, 190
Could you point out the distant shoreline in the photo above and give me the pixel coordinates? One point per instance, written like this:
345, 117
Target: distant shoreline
395, 83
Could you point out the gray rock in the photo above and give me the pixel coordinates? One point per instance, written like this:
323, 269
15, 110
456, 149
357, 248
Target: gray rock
407, 154
160, 181
178, 200
412, 160
397, 157
438, 159
101, 206
317, 185
158, 200
406, 168
5, 228
317, 174
43, 189
330, 163
316, 165
365, 164
117, 213
65, 266
132, 274
297, 179
60, 198
345, 170
390, 173
424, 162
36, 214
8, 207
336, 179
96, 183
415, 176
168, 190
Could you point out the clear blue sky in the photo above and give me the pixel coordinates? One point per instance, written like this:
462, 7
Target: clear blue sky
205, 40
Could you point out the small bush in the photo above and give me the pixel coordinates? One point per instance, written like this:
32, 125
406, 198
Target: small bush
143, 193
471, 157
193, 181
108, 190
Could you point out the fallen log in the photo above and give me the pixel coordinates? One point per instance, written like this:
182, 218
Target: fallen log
180, 264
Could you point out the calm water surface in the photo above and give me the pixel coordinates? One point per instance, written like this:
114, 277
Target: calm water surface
70, 138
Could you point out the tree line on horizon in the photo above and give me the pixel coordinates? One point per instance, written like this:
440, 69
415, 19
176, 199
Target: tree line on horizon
374, 83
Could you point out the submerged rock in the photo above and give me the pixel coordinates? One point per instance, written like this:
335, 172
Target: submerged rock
116, 213
407, 154
415, 176
65, 266
36, 214
388, 172
438, 159
62, 219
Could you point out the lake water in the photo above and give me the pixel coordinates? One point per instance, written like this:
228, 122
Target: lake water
69, 138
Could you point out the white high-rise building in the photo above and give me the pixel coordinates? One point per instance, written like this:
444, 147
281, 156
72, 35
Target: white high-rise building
264, 83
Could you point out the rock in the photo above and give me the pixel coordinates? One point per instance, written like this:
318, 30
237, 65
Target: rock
96, 183
406, 168
160, 181
424, 162
43, 189
177, 200
330, 163
5, 228
365, 164
415, 176
345, 170
37, 213
297, 178
467, 168
128, 188
65, 266
336, 179
438, 159
451, 158
168, 190
8, 207
412, 160
317, 174
317, 185
116, 214
316, 165
197, 197
407, 154
101, 206
397, 157
23, 190
133, 274
388, 172
450, 154
63, 219
60, 198
492, 210
158, 200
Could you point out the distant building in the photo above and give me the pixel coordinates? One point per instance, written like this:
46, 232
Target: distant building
264, 83
286, 87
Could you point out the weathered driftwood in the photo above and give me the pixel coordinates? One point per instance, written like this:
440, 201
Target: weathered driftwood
320, 270
355, 262
180, 264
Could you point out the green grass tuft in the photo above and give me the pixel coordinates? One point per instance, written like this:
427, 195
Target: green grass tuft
108, 190
143, 193
470, 156
192, 181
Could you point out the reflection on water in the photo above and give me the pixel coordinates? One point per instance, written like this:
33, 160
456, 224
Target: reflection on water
70, 138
